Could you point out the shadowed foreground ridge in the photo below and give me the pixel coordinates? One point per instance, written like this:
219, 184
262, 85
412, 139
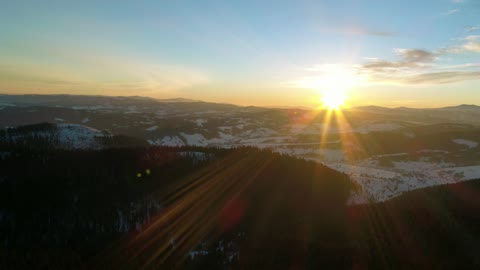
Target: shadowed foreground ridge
217, 209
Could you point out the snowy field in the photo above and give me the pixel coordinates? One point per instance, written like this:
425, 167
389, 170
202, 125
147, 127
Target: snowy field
377, 180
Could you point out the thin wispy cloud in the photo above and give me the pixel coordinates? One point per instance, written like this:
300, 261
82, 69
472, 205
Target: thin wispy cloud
443, 77
472, 44
460, 66
468, 44
384, 65
415, 55
419, 66
411, 77
409, 58
360, 31
451, 12
473, 28
412, 67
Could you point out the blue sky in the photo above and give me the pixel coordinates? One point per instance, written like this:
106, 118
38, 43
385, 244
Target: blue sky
392, 53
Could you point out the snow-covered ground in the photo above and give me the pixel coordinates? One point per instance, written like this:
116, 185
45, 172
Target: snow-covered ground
258, 133
4, 105
222, 139
313, 153
378, 181
152, 128
168, 141
78, 136
195, 139
200, 122
379, 184
468, 143
70, 136
466, 173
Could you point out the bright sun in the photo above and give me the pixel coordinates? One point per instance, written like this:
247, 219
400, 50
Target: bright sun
333, 82
333, 100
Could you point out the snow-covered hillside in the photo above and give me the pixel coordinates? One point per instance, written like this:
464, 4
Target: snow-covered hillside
62, 136
468, 143
75, 136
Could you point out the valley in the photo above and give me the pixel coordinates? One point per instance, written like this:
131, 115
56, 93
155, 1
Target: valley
386, 151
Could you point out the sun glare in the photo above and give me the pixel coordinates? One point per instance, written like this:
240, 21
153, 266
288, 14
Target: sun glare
333, 100
333, 82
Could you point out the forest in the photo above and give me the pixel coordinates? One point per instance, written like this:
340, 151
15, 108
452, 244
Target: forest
207, 208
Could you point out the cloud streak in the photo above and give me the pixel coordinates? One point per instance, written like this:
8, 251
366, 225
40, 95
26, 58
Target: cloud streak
360, 31
413, 67
473, 28
468, 44
472, 44
409, 58
417, 66
450, 12
443, 77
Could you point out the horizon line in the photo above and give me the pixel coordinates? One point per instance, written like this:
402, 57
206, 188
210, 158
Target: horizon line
303, 107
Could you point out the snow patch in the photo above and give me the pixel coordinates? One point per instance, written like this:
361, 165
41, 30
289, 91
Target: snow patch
79, 136
223, 139
225, 129
259, 133
152, 128
356, 171
200, 122
195, 139
168, 141
70, 136
194, 254
467, 173
470, 144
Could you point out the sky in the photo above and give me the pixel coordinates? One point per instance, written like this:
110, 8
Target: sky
265, 53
